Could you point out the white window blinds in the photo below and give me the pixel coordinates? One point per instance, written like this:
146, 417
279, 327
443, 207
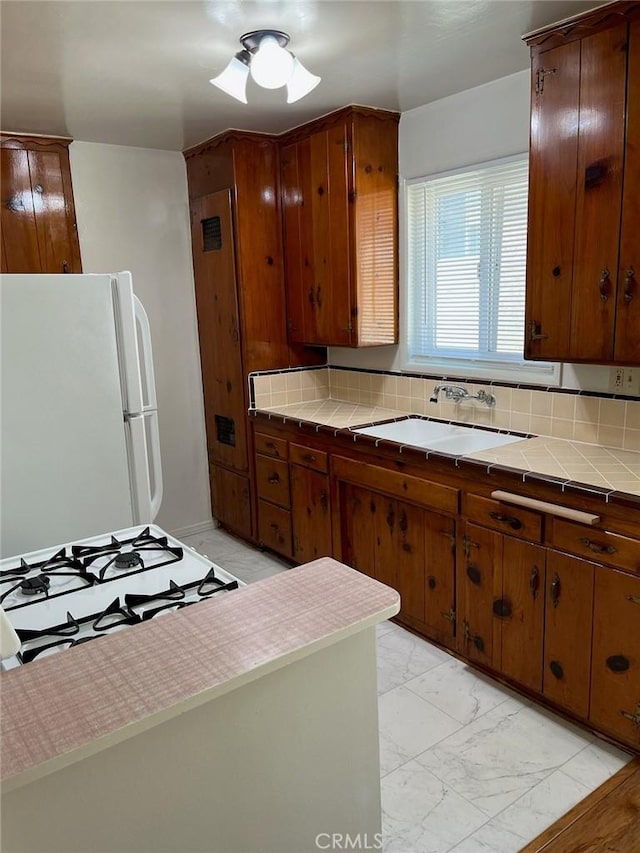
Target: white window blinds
467, 238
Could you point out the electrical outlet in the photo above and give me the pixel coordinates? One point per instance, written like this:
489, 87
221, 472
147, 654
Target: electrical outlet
625, 380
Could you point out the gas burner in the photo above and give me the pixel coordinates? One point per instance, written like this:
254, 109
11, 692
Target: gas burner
127, 560
35, 585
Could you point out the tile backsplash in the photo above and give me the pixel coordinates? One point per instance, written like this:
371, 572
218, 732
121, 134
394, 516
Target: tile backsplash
596, 419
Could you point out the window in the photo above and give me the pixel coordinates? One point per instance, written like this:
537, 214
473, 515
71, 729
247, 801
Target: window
467, 241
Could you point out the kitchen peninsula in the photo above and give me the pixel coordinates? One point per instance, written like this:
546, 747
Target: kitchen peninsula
223, 722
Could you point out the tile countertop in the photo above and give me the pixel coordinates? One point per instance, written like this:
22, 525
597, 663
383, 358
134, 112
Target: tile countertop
590, 467
66, 707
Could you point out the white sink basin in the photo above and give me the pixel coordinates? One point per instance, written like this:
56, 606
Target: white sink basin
457, 440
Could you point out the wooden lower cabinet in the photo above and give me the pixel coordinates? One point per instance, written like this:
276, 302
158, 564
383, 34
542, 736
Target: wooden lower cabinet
615, 667
507, 589
231, 500
310, 514
500, 608
406, 547
567, 636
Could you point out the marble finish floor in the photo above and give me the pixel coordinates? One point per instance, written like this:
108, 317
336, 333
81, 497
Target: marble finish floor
467, 765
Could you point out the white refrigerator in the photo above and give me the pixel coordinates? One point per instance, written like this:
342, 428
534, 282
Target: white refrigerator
79, 442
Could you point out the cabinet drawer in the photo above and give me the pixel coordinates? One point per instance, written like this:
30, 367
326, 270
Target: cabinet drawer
309, 458
513, 520
409, 488
598, 545
271, 446
272, 480
274, 527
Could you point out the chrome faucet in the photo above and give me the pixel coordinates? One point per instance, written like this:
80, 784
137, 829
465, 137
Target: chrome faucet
457, 393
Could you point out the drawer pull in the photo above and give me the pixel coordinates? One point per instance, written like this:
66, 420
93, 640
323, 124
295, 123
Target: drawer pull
308, 457
274, 479
451, 537
473, 573
618, 663
270, 444
556, 669
502, 608
534, 581
633, 716
634, 599
597, 547
555, 590
513, 522
545, 506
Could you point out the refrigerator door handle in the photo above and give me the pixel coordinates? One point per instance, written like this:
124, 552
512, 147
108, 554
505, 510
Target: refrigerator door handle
155, 463
139, 469
146, 354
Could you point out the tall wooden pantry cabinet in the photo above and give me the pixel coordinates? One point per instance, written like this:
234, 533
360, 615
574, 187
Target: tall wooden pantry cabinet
236, 237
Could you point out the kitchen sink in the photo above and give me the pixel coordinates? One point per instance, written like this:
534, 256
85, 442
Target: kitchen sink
433, 435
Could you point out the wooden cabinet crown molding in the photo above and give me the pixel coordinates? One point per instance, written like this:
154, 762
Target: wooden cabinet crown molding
580, 26
27, 141
291, 135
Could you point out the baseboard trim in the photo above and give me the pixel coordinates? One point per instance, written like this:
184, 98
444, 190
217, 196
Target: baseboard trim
193, 529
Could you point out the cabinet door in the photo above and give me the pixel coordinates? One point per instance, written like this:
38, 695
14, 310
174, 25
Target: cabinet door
357, 512
615, 673
521, 611
231, 500
220, 353
567, 635
478, 585
329, 196
555, 101
311, 516
603, 72
439, 576
55, 222
19, 235
386, 523
410, 562
297, 264
627, 342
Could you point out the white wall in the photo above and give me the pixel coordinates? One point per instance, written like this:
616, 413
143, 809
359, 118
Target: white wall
473, 126
133, 213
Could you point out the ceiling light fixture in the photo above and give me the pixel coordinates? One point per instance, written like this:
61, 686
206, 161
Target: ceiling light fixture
271, 65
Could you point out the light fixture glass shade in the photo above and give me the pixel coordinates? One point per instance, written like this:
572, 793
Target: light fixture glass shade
271, 65
233, 80
301, 83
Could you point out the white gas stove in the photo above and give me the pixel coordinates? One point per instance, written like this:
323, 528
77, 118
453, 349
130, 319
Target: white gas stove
63, 596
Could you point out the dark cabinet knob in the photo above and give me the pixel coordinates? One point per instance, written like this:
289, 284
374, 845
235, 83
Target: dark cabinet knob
473, 573
556, 669
618, 663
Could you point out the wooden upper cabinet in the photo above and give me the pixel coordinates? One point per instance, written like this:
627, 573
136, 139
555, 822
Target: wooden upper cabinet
584, 141
627, 339
37, 217
339, 193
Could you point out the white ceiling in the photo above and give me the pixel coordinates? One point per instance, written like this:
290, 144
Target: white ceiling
137, 73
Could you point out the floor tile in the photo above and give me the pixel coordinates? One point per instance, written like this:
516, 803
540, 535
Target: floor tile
402, 656
542, 805
596, 763
386, 627
420, 814
459, 691
501, 755
491, 838
408, 726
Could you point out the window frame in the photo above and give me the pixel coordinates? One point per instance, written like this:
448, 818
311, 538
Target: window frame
546, 374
